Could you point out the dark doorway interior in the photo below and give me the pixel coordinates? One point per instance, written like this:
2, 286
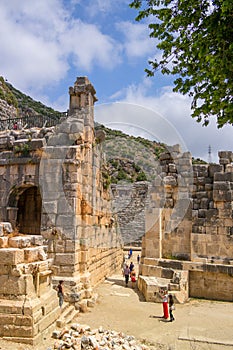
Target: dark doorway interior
29, 211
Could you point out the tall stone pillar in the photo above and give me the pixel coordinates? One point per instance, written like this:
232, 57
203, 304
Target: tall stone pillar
77, 199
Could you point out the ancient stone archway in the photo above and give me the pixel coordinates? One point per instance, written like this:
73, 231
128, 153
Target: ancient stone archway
24, 209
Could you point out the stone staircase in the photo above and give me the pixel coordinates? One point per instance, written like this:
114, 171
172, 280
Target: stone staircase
157, 274
68, 313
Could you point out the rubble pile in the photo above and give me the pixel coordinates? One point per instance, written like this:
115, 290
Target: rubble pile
82, 337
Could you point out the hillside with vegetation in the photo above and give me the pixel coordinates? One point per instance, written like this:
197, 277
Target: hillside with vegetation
24, 104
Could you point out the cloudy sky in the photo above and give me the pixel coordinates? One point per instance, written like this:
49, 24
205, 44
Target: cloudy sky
46, 44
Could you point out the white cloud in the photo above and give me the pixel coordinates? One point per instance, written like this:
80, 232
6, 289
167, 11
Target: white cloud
89, 47
137, 42
40, 41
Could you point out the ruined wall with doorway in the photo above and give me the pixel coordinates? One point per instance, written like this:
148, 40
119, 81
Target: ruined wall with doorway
52, 186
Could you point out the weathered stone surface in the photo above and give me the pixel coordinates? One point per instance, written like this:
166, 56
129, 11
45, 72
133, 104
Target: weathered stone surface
5, 227
3, 242
19, 242
31, 254
11, 256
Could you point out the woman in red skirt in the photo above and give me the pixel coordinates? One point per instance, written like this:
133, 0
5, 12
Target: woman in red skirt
165, 304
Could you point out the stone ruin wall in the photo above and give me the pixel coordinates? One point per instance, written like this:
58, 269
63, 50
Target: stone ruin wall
52, 192
187, 216
189, 228
51, 186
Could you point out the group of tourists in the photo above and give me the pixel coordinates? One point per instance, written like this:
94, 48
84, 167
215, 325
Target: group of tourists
167, 299
130, 273
129, 270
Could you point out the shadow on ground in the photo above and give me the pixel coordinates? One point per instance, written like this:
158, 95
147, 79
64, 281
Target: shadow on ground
120, 282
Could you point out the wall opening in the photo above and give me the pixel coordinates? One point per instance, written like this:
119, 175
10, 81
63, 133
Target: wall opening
27, 204
29, 211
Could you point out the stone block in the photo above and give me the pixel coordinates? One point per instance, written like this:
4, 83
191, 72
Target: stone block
83, 306
5, 227
19, 241
65, 220
21, 320
37, 240
7, 319
70, 246
16, 331
35, 144
41, 254
65, 259
222, 195
215, 168
11, 256
170, 181
6, 142
3, 241
229, 168
31, 254
10, 285
223, 177
224, 161
51, 207
226, 154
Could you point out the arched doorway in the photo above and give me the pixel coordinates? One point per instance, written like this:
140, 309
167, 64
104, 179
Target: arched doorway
25, 203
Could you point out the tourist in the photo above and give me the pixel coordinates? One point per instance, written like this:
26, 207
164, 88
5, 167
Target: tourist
126, 275
60, 293
130, 253
165, 303
131, 266
138, 258
20, 125
133, 278
171, 307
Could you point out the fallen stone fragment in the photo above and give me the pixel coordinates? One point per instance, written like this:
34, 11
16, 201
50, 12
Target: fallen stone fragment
82, 337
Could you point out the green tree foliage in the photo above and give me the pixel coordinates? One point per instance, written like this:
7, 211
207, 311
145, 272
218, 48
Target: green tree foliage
196, 39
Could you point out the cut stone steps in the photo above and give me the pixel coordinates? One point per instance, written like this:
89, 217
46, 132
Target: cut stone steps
67, 315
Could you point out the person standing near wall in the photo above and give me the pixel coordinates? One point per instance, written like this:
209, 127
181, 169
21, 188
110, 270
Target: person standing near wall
126, 274
60, 293
131, 266
165, 303
171, 307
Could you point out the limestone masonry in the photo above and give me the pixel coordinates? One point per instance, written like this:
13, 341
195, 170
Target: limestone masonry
60, 221
188, 242
52, 193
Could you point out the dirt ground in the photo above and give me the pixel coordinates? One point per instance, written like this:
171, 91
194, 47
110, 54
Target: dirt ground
198, 325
